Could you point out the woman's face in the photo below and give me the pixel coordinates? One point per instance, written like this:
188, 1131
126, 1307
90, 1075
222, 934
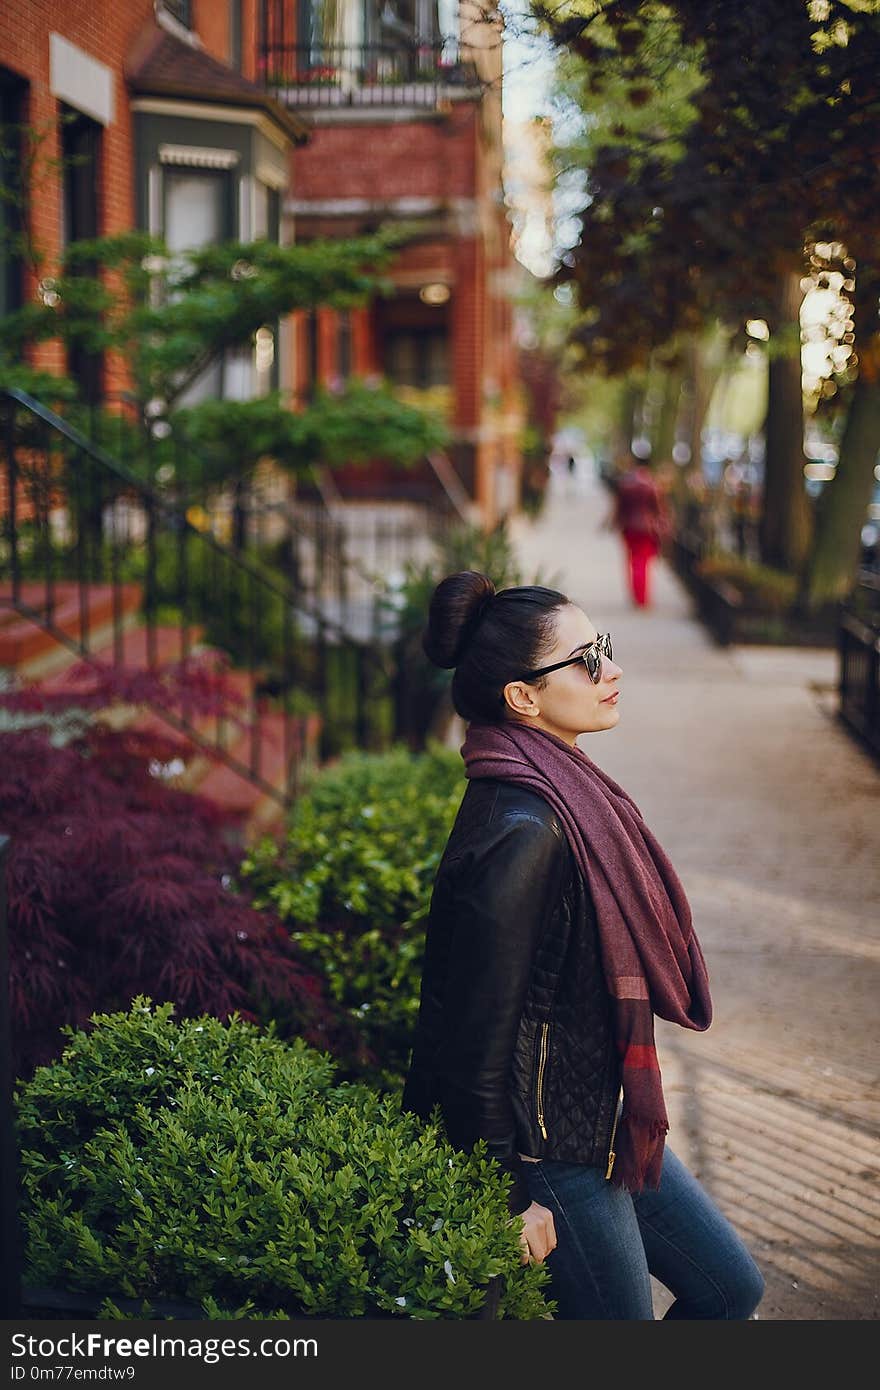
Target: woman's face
569, 704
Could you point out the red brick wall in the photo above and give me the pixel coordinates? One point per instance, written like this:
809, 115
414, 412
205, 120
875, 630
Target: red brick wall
104, 30
250, 20
363, 356
468, 333
427, 257
210, 20
411, 159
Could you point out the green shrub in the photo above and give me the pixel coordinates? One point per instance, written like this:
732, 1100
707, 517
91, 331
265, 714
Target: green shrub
215, 1164
460, 547
763, 589
353, 879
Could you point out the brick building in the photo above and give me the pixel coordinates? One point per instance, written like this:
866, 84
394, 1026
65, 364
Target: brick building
203, 119
139, 121
405, 104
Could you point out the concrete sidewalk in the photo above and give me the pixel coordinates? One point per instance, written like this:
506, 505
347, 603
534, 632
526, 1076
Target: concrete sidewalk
770, 814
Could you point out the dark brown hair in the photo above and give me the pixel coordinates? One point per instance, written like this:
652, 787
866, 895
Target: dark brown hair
490, 636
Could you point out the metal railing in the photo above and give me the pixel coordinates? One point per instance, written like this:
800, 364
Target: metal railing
859, 654
254, 514
73, 516
408, 73
718, 603
334, 551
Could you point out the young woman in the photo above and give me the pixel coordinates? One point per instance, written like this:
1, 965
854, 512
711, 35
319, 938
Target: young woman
558, 929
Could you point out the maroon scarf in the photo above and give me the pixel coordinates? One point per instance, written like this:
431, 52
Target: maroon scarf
650, 953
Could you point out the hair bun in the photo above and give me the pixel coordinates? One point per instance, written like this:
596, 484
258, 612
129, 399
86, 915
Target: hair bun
457, 605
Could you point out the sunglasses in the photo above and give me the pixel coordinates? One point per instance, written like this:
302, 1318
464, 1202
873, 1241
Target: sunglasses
591, 656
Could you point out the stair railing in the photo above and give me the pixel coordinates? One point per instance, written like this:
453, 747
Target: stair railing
73, 514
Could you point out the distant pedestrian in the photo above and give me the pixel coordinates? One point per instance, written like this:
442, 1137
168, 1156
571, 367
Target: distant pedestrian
558, 929
641, 516
572, 473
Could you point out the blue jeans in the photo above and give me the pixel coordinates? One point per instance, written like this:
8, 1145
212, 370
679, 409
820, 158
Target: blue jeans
609, 1242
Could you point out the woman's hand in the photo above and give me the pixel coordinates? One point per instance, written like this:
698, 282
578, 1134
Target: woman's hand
538, 1236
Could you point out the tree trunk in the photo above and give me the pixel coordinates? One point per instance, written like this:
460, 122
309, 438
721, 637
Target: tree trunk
664, 435
707, 357
786, 521
834, 560
630, 400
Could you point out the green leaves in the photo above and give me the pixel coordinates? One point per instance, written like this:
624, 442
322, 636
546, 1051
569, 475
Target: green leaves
353, 881
362, 422
171, 316
709, 139
243, 1178
354, 425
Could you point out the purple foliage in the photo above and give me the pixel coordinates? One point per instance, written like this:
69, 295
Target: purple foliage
118, 885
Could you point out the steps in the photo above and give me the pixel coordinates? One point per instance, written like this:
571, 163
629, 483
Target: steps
37, 656
23, 639
134, 652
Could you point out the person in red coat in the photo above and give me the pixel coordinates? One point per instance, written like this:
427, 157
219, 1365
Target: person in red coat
641, 516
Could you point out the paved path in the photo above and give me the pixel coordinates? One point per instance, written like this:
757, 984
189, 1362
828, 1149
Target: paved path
770, 813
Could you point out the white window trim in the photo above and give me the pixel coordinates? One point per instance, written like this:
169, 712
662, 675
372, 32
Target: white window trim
198, 156
80, 80
154, 200
246, 210
273, 178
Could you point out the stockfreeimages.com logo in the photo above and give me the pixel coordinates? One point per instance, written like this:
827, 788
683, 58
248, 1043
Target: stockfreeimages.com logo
207, 1349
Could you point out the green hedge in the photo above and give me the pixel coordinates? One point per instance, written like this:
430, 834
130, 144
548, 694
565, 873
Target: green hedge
763, 589
353, 879
215, 1164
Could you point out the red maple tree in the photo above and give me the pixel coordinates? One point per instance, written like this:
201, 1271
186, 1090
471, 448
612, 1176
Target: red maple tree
119, 884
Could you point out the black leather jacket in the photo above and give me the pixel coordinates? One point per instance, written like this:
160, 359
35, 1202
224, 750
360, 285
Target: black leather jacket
513, 1037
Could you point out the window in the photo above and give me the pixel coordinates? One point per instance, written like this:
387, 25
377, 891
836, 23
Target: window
320, 27
267, 213
404, 21
13, 91
198, 212
274, 215
417, 356
198, 208
181, 10
81, 164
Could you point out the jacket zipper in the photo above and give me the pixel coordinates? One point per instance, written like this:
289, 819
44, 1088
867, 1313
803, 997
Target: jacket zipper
542, 1059
611, 1154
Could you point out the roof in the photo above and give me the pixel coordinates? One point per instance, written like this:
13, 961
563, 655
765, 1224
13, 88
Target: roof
160, 64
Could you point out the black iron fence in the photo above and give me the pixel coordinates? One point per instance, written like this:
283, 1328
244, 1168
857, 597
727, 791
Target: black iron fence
859, 651
73, 518
335, 553
257, 513
410, 72
718, 603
